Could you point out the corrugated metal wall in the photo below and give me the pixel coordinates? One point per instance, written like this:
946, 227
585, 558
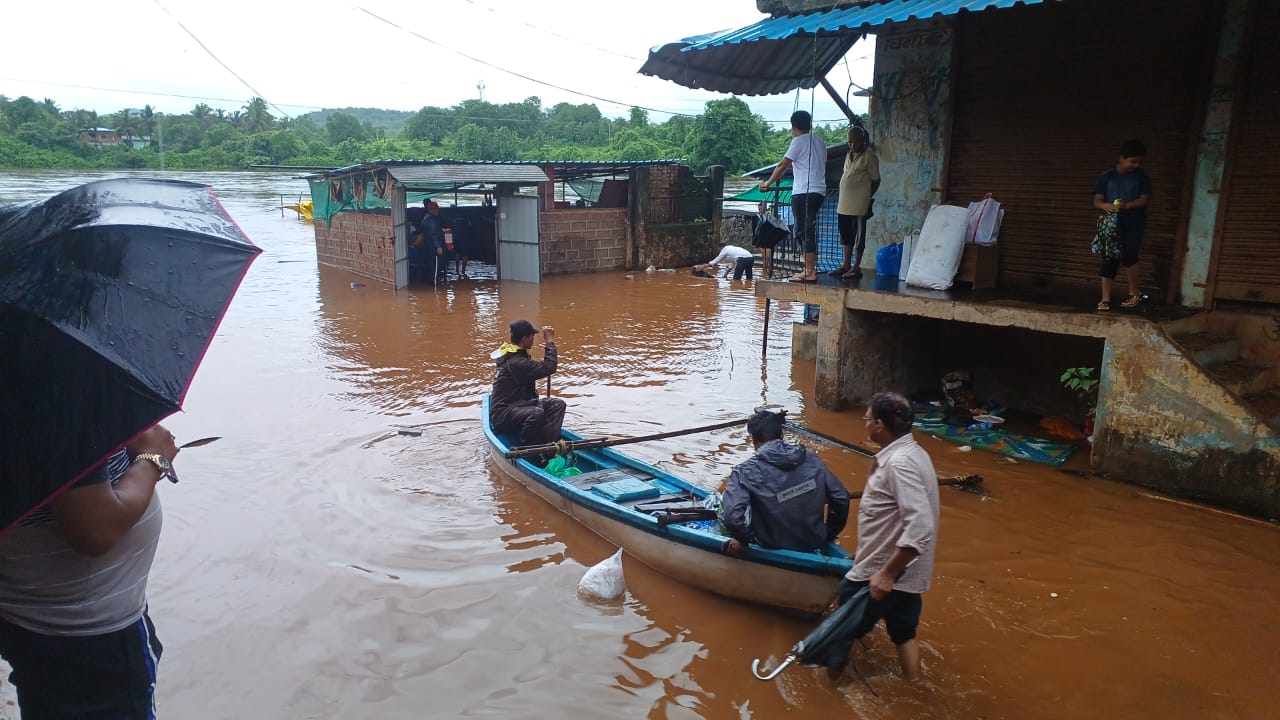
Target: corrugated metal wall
518, 249
1249, 245
1044, 95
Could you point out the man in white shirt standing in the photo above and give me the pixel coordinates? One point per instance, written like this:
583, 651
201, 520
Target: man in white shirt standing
897, 530
806, 157
743, 261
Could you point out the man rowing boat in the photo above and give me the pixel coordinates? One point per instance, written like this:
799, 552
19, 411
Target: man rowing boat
514, 405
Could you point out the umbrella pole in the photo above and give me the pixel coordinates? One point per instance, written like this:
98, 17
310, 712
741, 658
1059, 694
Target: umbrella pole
755, 668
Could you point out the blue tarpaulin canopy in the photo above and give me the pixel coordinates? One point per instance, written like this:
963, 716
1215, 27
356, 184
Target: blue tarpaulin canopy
780, 54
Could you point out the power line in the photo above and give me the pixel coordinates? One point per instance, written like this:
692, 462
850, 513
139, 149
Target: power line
512, 72
553, 33
219, 60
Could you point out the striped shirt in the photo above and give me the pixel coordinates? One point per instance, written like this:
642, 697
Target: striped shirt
899, 508
49, 588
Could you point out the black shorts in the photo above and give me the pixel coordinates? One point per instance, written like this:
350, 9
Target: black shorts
853, 230
900, 610
111, 676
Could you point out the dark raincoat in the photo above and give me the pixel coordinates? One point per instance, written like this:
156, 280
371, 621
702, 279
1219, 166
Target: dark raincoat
785, 488
432, 230
515, 384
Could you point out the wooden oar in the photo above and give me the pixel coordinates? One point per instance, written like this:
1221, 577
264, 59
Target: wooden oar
565, 446
798, 428
968, 483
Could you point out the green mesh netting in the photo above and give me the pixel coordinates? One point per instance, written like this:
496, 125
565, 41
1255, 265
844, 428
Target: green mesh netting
330, 197
755, 194
588, 190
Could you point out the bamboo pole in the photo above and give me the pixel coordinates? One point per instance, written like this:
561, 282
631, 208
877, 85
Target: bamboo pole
565, 446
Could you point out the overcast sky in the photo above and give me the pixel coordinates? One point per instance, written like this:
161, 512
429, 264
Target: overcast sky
303, 56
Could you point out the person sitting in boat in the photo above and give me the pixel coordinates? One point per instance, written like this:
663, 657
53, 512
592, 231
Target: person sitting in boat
776, 499
514, 405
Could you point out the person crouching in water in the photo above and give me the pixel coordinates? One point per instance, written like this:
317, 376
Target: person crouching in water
776, 499
514, 405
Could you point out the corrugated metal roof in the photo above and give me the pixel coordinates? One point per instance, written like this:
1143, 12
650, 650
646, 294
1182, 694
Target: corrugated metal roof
438, 175
779, 54
858, 18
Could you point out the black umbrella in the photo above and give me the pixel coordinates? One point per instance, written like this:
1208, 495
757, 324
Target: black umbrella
827, 645
110, 293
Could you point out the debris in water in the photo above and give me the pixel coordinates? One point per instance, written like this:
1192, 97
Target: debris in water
410, 433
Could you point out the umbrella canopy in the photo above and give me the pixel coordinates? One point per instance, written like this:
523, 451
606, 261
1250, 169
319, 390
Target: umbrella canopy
110, 293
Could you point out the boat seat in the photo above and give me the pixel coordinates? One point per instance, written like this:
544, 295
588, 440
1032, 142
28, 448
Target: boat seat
627, 489
588, 480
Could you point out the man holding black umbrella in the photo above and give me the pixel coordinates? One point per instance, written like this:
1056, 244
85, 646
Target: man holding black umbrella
73, 578
897, 530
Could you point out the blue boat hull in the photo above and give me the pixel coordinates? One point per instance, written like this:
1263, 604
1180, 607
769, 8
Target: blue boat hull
804, 582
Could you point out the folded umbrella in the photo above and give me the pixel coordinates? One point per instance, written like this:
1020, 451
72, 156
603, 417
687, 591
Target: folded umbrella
110, 294
828, 644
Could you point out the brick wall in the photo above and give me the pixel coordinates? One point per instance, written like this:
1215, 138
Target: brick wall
359, 242
582, 240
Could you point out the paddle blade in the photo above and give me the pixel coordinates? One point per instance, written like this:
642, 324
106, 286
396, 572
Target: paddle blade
199, 443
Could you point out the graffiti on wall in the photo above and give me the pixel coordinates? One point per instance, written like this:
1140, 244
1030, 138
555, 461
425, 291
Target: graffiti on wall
909, 115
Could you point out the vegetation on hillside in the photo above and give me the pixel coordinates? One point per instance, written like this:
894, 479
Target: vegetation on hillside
41, 135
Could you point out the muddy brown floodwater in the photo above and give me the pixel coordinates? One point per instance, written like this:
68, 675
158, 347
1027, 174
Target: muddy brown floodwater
314, 564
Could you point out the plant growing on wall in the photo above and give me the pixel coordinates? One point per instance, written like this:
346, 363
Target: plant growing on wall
1083, 383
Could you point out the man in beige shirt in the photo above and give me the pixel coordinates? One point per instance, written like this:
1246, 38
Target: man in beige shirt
897, 530
858, 183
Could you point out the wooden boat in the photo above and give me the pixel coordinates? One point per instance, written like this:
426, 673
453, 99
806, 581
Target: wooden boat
621, 499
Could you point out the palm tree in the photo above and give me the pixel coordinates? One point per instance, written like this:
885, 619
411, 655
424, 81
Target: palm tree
203, 115
148, 120
256, 118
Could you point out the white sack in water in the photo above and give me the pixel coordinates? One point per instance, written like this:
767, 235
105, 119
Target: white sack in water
604, 581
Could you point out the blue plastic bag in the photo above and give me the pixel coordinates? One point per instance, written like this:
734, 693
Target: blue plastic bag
889, 259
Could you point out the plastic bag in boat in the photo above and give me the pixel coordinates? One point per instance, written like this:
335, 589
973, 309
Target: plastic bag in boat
604, 580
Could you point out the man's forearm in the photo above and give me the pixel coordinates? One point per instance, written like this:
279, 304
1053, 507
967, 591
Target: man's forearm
899, 561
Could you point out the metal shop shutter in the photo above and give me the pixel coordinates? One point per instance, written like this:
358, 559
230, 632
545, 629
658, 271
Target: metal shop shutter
1248, 266
1044, 95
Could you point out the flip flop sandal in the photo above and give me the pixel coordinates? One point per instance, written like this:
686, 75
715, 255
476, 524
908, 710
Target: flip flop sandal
800, 278
853, 274
839, 272
1104, 305
1133, 301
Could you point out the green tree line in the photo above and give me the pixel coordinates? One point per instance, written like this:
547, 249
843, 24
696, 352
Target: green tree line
41, 135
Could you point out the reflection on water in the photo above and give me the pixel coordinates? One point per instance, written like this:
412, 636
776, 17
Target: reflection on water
316, 563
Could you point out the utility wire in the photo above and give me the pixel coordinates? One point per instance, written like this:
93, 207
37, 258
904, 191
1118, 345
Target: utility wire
512, 72
553, 33
219, 60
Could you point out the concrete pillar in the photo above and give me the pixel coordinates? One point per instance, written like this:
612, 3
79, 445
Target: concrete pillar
833, 345
1210, 157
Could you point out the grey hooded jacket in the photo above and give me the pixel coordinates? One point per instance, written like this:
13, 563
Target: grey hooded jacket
776, 498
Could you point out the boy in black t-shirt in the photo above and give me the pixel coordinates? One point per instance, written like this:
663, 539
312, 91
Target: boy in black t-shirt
1124, 189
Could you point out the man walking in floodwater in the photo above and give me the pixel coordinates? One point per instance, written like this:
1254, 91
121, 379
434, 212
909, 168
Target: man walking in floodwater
514, 405
897, 530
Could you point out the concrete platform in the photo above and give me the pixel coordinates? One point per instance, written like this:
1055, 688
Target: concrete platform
1162, 421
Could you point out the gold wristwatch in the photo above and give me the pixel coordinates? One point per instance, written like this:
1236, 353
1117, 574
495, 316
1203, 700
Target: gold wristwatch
161, 462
